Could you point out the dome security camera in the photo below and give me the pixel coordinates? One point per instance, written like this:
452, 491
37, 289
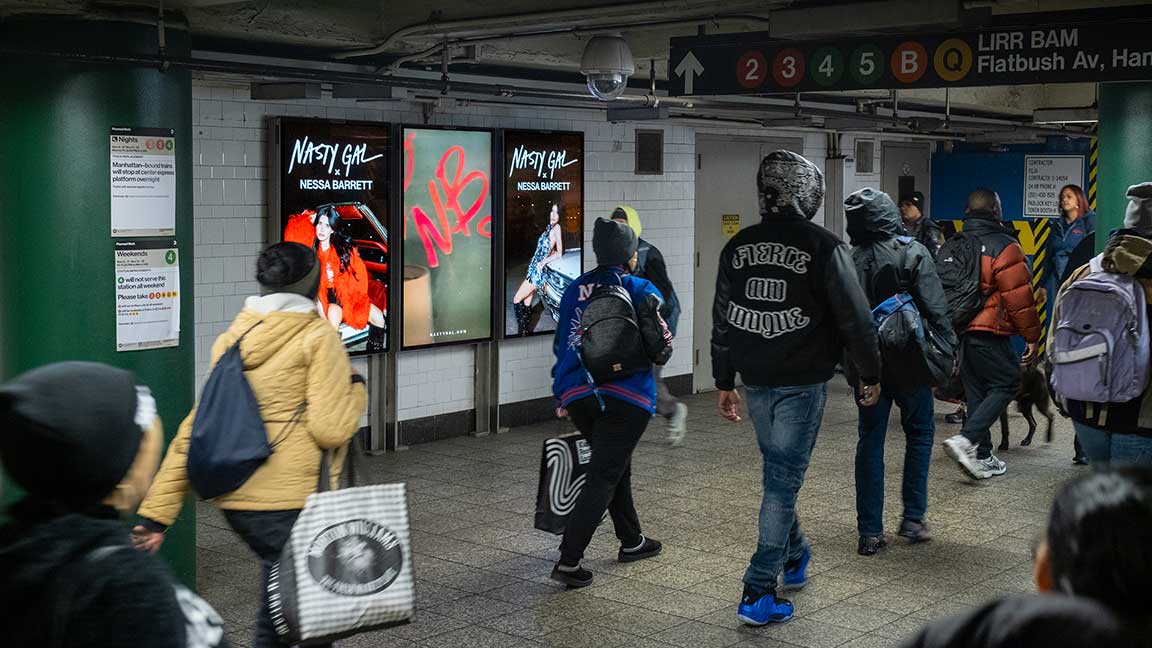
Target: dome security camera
607, 63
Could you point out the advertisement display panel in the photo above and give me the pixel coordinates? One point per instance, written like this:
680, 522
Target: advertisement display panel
331, 193
543, 226
447, 252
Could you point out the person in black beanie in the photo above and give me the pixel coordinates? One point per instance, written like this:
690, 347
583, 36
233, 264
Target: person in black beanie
918, 225
612, 414
83, 440
310, 401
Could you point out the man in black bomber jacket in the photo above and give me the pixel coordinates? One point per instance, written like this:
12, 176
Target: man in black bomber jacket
787, 303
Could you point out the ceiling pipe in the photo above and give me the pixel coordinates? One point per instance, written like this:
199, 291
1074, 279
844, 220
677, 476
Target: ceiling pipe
394, 66
755, 111
565, 19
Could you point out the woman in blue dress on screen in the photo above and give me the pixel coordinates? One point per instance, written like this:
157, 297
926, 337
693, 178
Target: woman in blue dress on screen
549, 247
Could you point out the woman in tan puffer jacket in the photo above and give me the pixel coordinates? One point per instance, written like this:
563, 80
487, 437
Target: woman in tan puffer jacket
310, 400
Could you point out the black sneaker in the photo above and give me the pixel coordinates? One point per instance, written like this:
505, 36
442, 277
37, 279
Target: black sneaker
915, 530
1079, 460
574, 577
646, 549
956, 418
870, 545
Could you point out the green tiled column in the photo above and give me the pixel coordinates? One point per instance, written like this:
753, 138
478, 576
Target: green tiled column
1125, 157
56, 261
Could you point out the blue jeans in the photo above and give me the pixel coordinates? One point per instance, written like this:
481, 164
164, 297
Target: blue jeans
918, 420
786, 420
1104, 448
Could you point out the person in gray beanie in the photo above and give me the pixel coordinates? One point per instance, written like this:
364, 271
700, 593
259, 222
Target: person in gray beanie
83, 441
611, 413
787, 303
1117, 434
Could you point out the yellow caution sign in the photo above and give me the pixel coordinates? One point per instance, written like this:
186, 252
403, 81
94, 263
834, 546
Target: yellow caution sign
730, 224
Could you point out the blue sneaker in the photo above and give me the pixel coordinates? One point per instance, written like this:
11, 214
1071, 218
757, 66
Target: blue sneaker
796, 573
758, 609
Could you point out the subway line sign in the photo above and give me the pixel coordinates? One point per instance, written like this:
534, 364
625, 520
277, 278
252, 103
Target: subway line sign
754, 63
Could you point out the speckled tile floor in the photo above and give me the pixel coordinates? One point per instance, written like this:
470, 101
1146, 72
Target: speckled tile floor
482, 570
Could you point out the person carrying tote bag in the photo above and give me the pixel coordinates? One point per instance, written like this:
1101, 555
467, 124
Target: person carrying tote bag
347, 566
294, 356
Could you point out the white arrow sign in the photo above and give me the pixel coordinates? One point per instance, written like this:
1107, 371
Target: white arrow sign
689, 68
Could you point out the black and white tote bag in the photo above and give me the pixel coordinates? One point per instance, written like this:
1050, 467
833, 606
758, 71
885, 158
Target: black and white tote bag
563, 468
347, 567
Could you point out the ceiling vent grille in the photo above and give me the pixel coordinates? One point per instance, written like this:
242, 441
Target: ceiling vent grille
649, 152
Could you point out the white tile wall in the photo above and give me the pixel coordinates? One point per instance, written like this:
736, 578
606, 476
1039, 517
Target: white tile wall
230, 209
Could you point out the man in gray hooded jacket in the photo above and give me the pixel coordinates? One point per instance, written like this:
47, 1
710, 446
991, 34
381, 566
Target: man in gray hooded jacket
787, 303
887, 262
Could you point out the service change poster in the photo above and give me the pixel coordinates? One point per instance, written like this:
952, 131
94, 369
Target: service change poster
447, 236
147, 294
142, 169
334, 198
543, 226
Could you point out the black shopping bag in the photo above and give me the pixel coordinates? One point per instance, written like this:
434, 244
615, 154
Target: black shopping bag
563, 465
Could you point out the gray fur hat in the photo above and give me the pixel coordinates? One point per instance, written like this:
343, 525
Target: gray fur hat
1139, 213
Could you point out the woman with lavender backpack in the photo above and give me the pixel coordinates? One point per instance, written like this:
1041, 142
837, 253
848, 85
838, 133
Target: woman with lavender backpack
1115, 433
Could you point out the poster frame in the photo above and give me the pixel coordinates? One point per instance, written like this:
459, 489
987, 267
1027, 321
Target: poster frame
274, 226
504, 335
497, 230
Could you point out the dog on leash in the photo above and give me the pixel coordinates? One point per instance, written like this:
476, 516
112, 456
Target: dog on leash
1032, 394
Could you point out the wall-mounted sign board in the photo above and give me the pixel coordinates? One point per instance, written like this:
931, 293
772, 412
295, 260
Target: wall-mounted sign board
543, 226
1044, 177
755, 63
331, 192
142, 173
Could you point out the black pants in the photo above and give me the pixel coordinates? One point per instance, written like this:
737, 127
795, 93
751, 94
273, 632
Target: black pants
990, 370
265, 533
612, 435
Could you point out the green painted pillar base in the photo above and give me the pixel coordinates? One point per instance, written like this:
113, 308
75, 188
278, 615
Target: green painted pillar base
56, 255
1125, 159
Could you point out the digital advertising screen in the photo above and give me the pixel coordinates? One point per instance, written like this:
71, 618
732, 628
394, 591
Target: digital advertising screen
543, 226
333, 187
447, 251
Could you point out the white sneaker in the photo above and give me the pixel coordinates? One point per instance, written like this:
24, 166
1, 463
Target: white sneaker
990, 467
963, 453
678, 424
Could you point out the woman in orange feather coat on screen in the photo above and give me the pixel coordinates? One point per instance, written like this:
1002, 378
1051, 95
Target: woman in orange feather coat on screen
344, 280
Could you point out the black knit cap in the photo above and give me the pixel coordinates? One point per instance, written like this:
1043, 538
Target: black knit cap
915, 198
288, 268
613, 242
68, 431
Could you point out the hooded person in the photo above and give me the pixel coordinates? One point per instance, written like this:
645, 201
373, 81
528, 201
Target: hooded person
888, 262
1118, 433
612, 414
787, 304
309, 398
650, 265
82, 440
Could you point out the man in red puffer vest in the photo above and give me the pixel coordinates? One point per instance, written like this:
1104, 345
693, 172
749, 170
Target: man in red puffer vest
989, 367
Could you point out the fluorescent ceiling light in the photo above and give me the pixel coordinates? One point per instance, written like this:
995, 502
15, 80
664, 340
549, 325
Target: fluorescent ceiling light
1065, 116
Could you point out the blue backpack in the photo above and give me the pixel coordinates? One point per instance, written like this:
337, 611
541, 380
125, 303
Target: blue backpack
229, 441
907, 346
